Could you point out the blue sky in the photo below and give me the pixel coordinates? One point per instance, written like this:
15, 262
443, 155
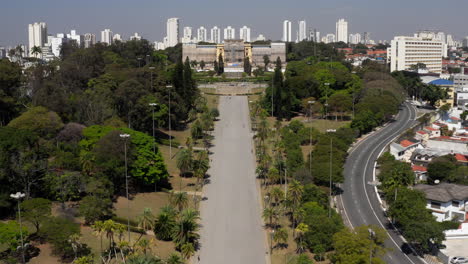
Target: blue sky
384, 19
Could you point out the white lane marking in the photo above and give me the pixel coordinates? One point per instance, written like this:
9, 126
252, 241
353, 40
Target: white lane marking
367, 195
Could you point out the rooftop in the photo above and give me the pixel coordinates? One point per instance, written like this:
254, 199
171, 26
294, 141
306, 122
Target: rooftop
406, 143
418, 168
441, 82
430, 128
422, 132
444, 192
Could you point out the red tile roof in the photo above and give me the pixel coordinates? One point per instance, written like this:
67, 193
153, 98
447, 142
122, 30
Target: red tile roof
461, 158
406, 143
431, 128
421, 132
418, 168
442, 138
455, 118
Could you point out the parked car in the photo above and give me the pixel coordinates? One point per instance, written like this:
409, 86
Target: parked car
456, 260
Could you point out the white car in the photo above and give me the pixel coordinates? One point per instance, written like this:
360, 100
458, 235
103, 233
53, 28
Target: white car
456, 260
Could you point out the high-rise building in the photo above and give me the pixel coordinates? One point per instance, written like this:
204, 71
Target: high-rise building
216, 35
465, 42
187, 32
107, 36
405, 52
89, 40
37, 36
172, 28
57, 42
366, 38
342, 31
135, 36
330, 38
260, 38
116, 37
287, 36
229, 33
75, 37
202, 34
244, 33
441, 36
355, 38
450, 41
302, 34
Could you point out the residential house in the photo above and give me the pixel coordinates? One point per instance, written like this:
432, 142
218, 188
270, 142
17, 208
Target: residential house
453, 144
447, 201
404, 150
420, 172
433, 132
422, 136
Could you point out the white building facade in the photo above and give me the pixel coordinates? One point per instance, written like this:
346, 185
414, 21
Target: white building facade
229, 33
216, 35
342, 31
107, 36
37, 33
302, 33
355, 38
244, 33
89, 40
407, 51
76, 37
172, 29
202, 34
287, 36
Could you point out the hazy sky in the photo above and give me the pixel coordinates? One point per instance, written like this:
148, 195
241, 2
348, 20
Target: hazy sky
383, 18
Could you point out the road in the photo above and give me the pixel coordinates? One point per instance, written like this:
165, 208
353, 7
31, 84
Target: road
359, 200
232, 230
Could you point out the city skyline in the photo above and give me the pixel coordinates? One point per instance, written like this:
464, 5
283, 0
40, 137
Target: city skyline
149, 18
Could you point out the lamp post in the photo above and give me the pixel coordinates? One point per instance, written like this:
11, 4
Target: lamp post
331, 158
353, 94
170, 134
326, 100
18, 197
272, 233
153, 105
125, 137
310, 135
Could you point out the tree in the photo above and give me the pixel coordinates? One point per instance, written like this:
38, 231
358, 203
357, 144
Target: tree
174, 258
202, 64
281, 237
164, 224
395, 174
441, 168
220, 64
187, 250
247, 66
186, 229
270, 214
36, 50
179, 200
10, 81
464, 115
57, 231
300, 232
36, 211
10, 234
146, 220
266, 61
95, 208
216, 66
196, 130
360, 245
276, 195
39, 120
144, 259
184, 161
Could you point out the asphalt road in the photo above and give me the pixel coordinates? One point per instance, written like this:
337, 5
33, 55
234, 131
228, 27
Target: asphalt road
361, 206
231, 225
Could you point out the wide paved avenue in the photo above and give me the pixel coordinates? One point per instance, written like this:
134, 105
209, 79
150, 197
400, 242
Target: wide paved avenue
231, 219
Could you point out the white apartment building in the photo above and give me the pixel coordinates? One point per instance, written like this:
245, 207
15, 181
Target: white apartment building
116, 37
57, 42
135, 36
244, 33
107, 36
37, 33
159, 45
302, 34
342, 31
229, 33
287, 35
187, 35
216, 35
260, 38
407, 51
76, 37
329, 38
355, 38
202, 34
172, 28
89, 40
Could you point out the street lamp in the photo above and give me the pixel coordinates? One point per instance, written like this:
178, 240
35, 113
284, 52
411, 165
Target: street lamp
18, 197
272, 233
310, 136
125, 137
353, 94
331, 158
326, 99
153, 105
170, 134
371, 235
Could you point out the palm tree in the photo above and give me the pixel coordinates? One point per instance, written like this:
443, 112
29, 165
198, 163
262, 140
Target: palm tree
276, 194
98, 228
184, 161
270, 214
36, 50
179, 200
281, 236
144, 259
75, 243
174, 258
187, 250
164, 225
301, 229
273, 175
186, 230
146, 220
295, 191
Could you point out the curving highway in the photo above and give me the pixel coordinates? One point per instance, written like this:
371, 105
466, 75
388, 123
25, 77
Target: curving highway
359, 200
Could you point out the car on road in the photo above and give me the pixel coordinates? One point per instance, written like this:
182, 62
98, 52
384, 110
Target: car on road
456, 260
